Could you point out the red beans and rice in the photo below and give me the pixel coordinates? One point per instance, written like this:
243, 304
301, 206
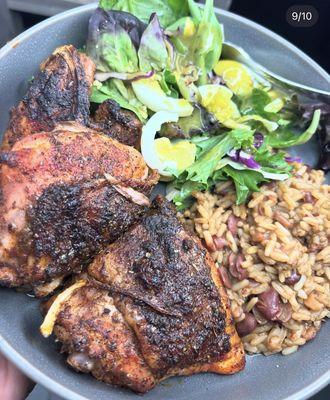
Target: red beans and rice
273, 256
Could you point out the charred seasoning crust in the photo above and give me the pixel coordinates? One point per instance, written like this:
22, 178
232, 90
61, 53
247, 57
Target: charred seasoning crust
166, 293
71, 223
184, 284
60, 91
118, 123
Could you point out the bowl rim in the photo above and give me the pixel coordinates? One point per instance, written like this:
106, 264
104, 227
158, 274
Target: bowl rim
12, 354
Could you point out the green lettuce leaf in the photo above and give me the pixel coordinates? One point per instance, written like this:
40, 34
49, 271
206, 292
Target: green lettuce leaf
168, 84
257, 106
242, 138
198, 43
113, 37
183, 198
116, 90
119, 52
284, 137
260, 99
168, 11
212, 165
273, 162
246, 181
207, 44
213, 149
152, 52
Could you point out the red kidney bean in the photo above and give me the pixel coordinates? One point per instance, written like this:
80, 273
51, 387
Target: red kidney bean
235, 262
225, 277
271, 185
269, 304
231, 260
246, 326
285, 313
292, 279
259, 317
232, 224
219, 243
282, 220
308, 198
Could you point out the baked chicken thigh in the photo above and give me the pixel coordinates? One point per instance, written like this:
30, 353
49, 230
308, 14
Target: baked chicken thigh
60, 92
152, 307
64, 195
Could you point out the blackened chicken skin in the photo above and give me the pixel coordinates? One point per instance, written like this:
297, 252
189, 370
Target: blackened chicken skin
59, 92
118, 123
58, 208
165, 287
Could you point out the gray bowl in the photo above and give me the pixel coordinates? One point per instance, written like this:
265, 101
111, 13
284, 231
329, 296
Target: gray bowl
294, 377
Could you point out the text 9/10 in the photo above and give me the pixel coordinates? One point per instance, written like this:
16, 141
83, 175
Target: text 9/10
302, 16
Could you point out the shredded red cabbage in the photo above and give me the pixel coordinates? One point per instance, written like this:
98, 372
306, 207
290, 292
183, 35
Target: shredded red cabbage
244, 158
293, 159
258, 140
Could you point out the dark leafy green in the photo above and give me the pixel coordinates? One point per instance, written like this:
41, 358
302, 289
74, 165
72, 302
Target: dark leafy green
168, 84
200, 175
212, 165
255, 105
260, 98
213, 149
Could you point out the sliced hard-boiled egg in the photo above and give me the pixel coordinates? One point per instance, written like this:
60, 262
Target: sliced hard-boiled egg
217, 100
149, 92
178, 154
161, 154
236, 76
